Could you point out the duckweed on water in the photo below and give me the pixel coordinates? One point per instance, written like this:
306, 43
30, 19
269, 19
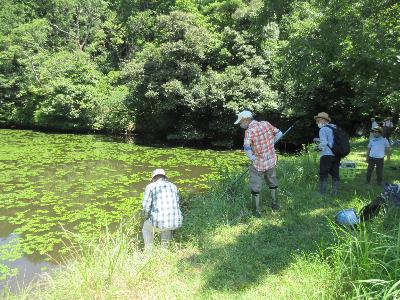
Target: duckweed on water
83, 183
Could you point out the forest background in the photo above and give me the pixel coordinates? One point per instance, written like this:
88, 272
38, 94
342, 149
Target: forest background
181, 70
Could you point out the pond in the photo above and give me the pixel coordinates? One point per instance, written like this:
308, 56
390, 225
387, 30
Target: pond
53, 183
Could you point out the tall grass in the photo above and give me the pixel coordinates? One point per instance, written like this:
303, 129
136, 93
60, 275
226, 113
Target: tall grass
367, 260
101, 268
223, 252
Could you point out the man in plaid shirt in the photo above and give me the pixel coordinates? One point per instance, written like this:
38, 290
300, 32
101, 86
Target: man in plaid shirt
259, 140
161, 206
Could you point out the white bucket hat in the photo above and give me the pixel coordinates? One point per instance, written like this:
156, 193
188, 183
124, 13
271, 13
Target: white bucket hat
157, 172
243, 115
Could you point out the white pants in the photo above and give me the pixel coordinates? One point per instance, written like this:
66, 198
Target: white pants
148, 234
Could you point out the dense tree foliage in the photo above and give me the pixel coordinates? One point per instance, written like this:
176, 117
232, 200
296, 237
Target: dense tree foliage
182, 69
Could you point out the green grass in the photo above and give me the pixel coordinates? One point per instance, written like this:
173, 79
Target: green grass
83, 183
223, 252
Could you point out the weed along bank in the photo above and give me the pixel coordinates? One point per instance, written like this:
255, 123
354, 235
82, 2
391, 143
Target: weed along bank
56, 186
222, 250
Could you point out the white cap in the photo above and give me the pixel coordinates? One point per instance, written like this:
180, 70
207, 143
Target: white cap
244, 115
157, 172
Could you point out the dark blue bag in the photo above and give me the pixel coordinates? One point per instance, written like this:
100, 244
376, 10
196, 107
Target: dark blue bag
392, 192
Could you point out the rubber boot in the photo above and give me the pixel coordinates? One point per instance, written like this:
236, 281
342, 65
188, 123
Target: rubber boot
322, 187
274, 203
166, 236
335, 187
256, 199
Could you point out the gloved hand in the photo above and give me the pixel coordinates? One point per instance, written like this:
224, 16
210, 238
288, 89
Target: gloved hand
145, 215
316, 140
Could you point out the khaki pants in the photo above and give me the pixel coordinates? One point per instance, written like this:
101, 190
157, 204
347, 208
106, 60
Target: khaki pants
257, 178
148, 234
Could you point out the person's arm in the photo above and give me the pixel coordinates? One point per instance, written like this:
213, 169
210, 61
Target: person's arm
146, 202
323, 138
247, 146
368, 151
177, 196
278, 135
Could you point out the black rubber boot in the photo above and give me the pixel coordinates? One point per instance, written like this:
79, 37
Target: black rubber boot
335, 187
274, 203
256, 199
322, 187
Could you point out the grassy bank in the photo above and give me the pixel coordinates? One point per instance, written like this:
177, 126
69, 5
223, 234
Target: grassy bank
223, 252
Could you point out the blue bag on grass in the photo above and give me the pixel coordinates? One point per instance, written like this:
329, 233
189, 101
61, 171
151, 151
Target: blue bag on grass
346, 217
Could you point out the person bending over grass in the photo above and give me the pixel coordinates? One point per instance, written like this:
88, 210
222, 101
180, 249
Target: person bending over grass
377, 147
161, 207
259, 140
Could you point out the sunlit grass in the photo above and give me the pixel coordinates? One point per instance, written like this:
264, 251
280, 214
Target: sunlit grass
223, 252
85, 183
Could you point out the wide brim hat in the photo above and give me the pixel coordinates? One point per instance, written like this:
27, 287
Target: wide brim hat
322, 115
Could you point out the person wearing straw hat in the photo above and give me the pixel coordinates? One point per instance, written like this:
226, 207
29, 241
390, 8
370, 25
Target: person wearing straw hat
378, 146
328, 163
161, 207
259, 140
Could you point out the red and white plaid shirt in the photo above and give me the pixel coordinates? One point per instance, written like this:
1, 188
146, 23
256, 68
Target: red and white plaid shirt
260, 136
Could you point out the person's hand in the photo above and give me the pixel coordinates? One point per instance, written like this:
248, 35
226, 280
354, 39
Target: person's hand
145, 215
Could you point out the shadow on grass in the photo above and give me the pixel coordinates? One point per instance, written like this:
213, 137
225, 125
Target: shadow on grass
238, 250
259, 250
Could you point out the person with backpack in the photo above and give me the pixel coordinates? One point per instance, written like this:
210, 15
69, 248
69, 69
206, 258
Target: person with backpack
378, 146
333, 145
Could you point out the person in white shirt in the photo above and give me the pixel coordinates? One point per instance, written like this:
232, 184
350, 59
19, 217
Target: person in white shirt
161, 207
387, 128
378, 146
373, 125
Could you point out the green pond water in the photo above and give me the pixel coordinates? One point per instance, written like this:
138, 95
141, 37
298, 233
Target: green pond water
82, 183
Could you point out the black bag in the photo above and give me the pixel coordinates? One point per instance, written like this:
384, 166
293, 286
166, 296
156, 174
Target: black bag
391, 192
371, 210
341, 143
